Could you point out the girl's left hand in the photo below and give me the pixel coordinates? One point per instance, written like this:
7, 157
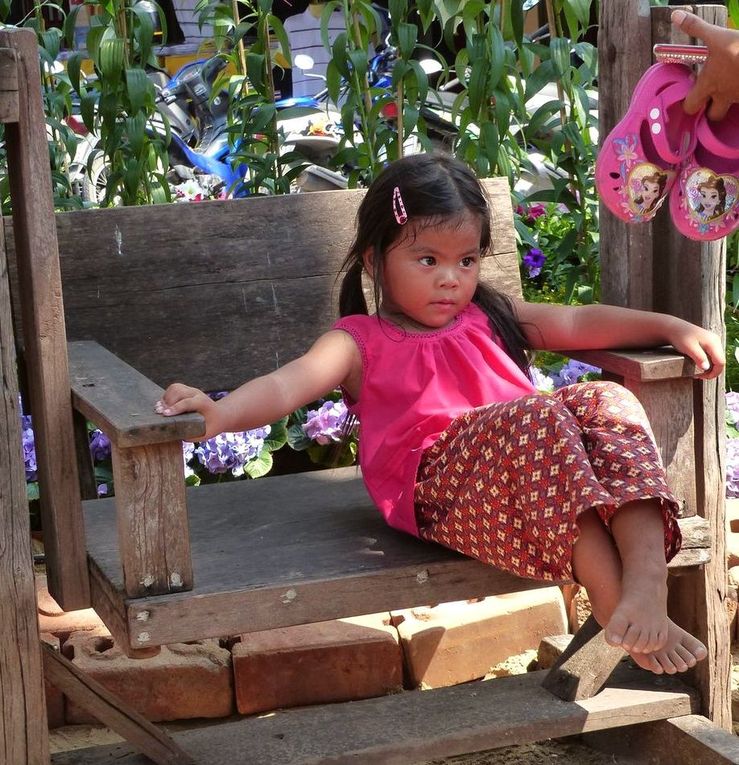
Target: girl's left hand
702, 346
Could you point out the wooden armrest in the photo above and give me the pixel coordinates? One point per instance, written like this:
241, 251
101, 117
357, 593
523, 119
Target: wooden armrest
648, 365
120, 400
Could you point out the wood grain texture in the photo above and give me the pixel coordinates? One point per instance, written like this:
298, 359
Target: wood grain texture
643, 365
585, 666
120, 400
111, 711
686, 740
691, 285
22, 704
624, 54
44, 337
152, 519
417, 726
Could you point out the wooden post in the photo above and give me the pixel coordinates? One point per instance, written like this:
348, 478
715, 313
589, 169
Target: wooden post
23, 736
691, 285
44, 331
624, 53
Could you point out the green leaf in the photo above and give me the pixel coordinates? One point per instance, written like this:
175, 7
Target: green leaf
281, 36
139, 88
497, 56
260, 465
277, 437
32, 491
560, 56
192, 480
517, 21
112, 58
143, 31
407, 36
255, 70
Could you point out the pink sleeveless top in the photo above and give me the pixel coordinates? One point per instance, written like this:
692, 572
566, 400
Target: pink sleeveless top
413, 386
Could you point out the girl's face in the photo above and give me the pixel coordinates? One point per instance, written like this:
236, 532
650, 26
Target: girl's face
650, 192
709, 199
431, 275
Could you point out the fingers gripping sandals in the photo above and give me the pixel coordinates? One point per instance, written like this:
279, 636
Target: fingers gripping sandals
657, 151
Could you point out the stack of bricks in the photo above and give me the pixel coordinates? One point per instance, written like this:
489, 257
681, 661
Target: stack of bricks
340, 660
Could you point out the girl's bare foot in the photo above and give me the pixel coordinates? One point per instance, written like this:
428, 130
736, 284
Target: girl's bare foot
681, 652
639, 623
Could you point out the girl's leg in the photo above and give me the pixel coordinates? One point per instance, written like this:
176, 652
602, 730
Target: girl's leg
625, 596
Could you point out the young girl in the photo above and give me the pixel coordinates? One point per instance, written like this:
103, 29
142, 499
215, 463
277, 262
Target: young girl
456, 445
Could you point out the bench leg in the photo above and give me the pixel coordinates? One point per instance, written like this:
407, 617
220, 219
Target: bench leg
583, 669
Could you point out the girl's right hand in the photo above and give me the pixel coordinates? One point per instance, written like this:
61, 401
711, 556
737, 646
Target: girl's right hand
179, 398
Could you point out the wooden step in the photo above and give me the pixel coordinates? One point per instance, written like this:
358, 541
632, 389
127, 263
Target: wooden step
416, 726
290, 550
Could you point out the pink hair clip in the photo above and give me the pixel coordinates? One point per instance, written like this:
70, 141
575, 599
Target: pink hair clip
401, 216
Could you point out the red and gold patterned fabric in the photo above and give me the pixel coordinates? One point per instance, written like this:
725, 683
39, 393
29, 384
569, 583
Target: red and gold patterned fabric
505, 483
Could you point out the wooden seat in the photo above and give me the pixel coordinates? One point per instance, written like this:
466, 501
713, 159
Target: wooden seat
212, 294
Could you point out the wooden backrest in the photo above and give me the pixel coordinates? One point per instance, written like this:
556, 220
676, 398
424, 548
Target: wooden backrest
213, 293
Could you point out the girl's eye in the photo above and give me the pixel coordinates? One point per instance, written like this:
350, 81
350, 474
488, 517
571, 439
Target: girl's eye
427, 260
468, 261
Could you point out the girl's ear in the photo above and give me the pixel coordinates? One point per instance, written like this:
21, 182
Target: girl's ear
368, 260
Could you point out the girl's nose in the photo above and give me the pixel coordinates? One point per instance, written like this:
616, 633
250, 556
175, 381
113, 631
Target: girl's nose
448, 277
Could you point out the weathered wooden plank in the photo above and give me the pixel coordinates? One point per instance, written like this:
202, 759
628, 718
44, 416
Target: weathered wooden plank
418, 726
120, 400
44, 336
290, 550
22, 703
692, 278
585, 665
669, 407
85, 466
152, 519
624, 53
111, 711
644, 365
9, 103
687, 740
156, 285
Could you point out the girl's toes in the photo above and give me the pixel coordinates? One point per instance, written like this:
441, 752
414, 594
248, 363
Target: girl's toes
677, 660
647, 661
615, 631
633, 638
664, 660
686, 656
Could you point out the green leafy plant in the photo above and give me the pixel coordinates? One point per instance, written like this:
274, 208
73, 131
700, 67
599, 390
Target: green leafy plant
118, 103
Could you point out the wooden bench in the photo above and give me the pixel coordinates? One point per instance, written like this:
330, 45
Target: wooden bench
212, 294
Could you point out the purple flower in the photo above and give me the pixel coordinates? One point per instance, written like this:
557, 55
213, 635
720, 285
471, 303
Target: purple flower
102, 490
534, 260
732, 408
325, 424
571, 372
29, 447
231, 451
188, 452
732, 467
541, 381
99, 446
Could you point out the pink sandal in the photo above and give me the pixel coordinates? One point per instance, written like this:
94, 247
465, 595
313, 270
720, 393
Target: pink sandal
704, 203
638, 161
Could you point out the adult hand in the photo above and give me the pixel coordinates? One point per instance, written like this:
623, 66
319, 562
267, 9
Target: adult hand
718, 78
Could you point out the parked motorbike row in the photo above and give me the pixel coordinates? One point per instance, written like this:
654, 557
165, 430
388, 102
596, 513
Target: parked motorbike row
199, 147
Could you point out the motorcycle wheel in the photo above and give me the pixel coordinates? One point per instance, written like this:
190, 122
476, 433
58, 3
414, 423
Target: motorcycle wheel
94, 183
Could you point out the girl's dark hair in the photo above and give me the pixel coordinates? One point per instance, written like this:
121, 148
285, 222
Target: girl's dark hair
435, 188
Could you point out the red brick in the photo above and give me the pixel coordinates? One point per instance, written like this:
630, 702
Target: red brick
53, 620
54, 697
456, 642
184, 681
338, 660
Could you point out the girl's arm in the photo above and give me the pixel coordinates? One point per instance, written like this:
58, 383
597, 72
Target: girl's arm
555, 327
333, 359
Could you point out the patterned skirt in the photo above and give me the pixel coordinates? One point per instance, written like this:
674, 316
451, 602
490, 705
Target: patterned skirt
505, 483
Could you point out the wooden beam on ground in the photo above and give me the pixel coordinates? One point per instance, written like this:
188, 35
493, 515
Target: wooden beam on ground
585, 665
111, 711
417, 726
44, 331
691, 285
687, 740
23, 736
